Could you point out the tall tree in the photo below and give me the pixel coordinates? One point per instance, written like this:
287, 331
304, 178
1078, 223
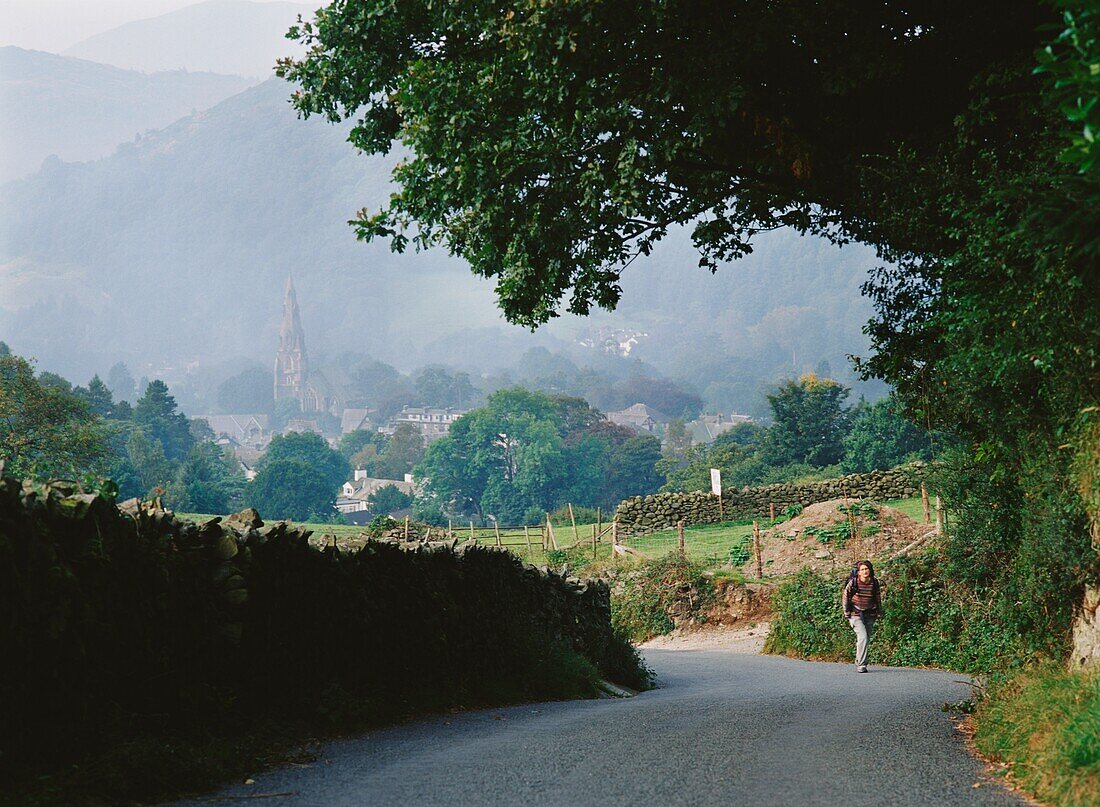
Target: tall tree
312, 450
881, 438
250, 391
403, 450
45, 431
121, 383
208, 481
810, 422
156, 413
98, 397
293, 489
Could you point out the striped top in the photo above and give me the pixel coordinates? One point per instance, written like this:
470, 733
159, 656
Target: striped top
862, 598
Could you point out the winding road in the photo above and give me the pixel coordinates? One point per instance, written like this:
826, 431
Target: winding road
723, 728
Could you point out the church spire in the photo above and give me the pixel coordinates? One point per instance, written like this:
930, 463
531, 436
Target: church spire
291, 363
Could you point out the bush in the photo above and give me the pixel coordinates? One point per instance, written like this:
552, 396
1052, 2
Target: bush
647, 599
1045, 722
126, 625
929, 620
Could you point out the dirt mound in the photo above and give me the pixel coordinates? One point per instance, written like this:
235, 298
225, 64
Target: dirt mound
831, 536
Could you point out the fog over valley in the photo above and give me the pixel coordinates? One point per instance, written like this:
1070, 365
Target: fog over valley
153, 218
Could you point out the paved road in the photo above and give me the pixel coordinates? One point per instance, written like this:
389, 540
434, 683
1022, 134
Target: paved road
722, 729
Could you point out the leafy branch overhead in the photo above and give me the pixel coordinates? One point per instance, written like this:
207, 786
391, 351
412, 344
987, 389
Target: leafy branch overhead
550, 144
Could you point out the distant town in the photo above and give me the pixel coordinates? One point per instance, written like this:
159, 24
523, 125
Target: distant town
321, 394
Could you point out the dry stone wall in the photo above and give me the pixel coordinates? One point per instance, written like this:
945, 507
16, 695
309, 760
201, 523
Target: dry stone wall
643, 514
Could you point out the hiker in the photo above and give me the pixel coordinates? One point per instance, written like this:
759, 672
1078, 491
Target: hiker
862, 602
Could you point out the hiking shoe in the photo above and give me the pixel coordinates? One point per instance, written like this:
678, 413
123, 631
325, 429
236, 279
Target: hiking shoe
861, 669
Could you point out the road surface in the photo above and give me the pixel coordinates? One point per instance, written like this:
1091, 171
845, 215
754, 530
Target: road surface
723, 728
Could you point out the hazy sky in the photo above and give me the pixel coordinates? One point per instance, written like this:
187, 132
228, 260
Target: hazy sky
53, 25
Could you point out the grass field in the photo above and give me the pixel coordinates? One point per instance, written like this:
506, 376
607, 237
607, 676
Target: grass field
708, 543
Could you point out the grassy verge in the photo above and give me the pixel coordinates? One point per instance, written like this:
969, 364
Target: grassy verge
1044, 726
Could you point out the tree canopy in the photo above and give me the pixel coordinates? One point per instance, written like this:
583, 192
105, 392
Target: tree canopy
45, 430
550, 144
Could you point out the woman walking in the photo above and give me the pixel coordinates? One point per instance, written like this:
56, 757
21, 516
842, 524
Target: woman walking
862, 601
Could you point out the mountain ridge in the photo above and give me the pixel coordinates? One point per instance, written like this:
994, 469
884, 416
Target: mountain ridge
223, 36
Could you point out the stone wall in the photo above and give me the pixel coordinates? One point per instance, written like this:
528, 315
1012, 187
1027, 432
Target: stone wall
643, 514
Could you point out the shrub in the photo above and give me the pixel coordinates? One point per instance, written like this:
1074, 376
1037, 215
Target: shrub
1045, 722
138, 624
930, 620
647, 599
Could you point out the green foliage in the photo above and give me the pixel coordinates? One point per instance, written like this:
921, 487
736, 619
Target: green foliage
791, 511
155, 412
571, 138
1071, 60
311, 449
285, 410
142, 626
880, 438
292, 489
98, 397
930, 620
808, 622
208, 481
437, 386
1045, 723
643, 598
251, 391
121, 383
838, 534
388, 498
809, 423
403, 450
353, 443
45, 431
525, 453
739, 553
1018, 540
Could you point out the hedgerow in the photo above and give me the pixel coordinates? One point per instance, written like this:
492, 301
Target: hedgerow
121, 626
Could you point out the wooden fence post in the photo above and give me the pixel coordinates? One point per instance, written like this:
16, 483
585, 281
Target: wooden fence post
756, 551
599, 523
939, 516
614, 538
680, 536
593, 542
925, 505
406, 528
450, 530
550, 531
573, 521
527, 536
472, 536
771, 510
721, 511
496, 527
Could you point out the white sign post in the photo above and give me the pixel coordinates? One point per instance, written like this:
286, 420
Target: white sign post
716, 489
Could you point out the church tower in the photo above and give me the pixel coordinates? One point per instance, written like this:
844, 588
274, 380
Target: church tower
291, 364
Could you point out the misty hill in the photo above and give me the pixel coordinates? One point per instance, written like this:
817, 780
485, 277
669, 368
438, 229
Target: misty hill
80, 110
175, 250
220, 36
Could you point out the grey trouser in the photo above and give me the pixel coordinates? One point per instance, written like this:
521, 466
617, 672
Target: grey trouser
864, 632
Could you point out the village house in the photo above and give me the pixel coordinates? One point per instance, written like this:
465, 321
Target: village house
432, 423
639, 417
708, 427
355, 493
